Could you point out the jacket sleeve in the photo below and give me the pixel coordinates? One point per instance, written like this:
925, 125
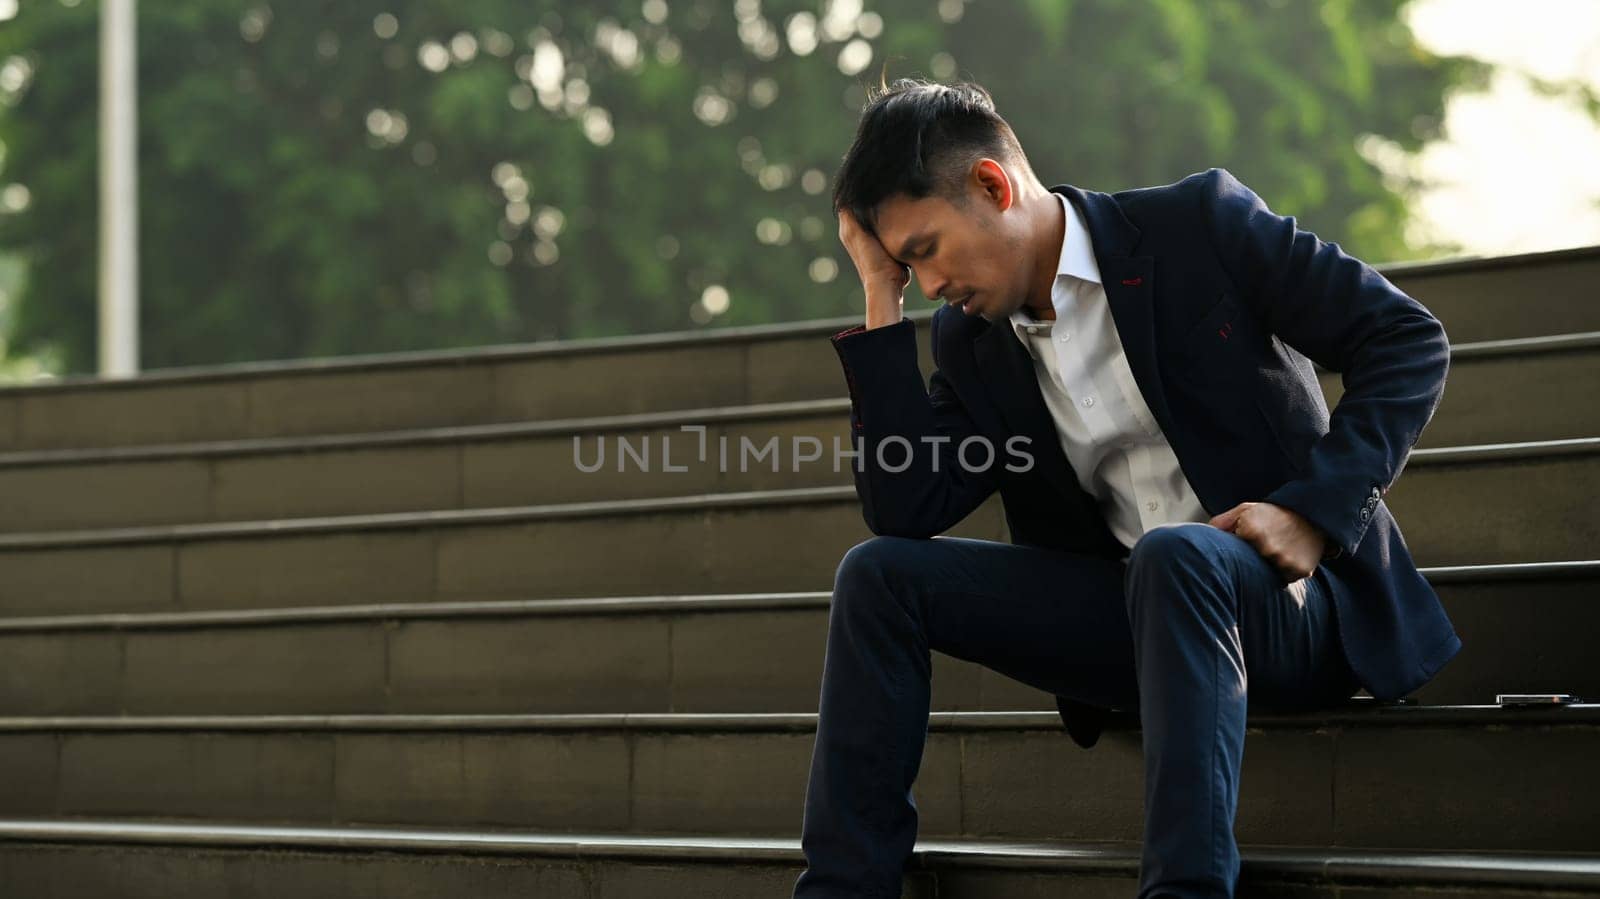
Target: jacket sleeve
1390, 351
910, 479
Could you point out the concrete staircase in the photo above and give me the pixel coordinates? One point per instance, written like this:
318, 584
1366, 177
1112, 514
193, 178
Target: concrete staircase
361, 627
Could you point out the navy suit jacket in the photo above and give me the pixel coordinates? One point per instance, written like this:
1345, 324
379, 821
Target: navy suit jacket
1221, 306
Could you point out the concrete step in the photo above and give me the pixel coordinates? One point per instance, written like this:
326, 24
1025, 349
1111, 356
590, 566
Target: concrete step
139, 859
1525, 629
1425, 777
519, 382
1525, 295
1460, 506
442, 468
1488, 299
1509, 391
1497, 392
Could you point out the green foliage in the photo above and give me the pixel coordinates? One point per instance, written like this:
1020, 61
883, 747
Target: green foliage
286, 212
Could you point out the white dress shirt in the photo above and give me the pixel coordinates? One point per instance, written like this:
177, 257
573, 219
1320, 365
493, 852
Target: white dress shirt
1115, 446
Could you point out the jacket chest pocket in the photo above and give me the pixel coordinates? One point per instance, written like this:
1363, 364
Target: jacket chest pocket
1221, 346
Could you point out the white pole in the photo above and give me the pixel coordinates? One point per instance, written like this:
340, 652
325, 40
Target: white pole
119, 192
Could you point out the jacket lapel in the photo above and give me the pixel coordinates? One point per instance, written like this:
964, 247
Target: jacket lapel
1007, 370
1129, 283
1008, 374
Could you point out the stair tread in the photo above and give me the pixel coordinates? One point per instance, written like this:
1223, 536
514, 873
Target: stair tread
462, 355
1456, 455
1358, 711
1397, 865
446, 434
622, 605
423, 435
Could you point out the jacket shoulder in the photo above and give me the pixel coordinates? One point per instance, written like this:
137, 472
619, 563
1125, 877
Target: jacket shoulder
1191, 205
1211, 179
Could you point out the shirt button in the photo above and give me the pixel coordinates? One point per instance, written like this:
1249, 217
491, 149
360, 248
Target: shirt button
1066, 337
1151, 506
1088, 401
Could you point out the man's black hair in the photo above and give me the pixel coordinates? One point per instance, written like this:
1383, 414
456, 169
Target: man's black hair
920, 138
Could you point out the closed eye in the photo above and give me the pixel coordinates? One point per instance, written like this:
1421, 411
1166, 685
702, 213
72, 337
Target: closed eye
914, 254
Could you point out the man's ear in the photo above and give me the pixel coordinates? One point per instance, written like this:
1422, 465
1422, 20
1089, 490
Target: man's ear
995, 183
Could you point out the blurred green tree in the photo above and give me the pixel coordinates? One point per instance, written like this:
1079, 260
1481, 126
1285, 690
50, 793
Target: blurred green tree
330, 178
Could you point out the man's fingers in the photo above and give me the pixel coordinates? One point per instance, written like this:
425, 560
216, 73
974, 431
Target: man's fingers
1227, 520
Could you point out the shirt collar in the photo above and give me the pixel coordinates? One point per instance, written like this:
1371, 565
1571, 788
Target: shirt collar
1076, 260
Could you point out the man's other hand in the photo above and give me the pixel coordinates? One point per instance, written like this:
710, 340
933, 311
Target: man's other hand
1282, 536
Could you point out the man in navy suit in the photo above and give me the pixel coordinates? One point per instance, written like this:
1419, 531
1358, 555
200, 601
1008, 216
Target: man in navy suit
1189, 527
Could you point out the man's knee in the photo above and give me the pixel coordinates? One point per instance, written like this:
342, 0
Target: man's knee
1185, 541
1180, 553
870, 562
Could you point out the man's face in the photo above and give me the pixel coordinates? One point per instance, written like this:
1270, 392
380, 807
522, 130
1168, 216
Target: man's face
973, 257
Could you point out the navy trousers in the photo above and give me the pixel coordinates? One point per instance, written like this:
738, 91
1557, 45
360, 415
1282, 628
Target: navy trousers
1179, 630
